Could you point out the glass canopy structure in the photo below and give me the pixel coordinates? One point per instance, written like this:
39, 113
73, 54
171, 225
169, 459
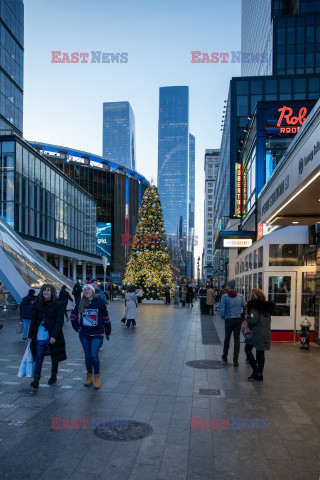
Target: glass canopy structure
22, 268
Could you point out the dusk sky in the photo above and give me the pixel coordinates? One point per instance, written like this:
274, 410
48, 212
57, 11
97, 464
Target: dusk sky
63, 102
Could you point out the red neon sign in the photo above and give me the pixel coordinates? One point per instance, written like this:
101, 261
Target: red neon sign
287, 112
238, 189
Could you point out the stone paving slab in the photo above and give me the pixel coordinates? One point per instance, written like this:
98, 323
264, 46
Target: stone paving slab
145, 378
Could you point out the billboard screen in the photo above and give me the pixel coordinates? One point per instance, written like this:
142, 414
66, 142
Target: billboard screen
104, 240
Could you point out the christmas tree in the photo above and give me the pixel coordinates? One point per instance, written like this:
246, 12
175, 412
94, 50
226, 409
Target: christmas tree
149, 264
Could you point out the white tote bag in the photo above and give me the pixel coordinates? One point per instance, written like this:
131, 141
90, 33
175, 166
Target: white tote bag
26, 368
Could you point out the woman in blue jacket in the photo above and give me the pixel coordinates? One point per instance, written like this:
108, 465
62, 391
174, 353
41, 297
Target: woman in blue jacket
94, 323
26, 310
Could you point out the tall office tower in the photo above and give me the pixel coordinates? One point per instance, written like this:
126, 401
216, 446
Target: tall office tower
211, 166
191, 235
173, 158
285, 32
119, 133
11, 65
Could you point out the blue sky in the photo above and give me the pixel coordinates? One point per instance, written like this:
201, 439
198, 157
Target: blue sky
63, 102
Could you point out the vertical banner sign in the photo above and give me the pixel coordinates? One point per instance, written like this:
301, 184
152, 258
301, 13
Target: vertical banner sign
238, 189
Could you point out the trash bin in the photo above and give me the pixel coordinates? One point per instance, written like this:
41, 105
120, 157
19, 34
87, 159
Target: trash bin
203, 303
304, 334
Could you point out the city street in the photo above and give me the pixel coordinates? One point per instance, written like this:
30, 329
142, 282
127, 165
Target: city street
145, 378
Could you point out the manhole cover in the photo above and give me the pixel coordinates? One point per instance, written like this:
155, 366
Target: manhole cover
210, 391
123, 430
207, 364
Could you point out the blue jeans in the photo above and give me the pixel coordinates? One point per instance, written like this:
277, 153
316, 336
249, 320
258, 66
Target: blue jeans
26, 325
91, 347
39, 360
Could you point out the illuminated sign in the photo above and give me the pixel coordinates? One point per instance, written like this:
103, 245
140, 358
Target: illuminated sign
237, 242
289, 118
288, 123
292, 124
238, 189
260, 230
104, 240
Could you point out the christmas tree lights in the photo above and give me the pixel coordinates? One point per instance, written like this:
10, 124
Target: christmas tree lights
149, 264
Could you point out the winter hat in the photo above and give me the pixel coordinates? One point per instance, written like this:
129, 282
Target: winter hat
89, 285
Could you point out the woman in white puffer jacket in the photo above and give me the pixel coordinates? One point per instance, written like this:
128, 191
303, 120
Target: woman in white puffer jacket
131, 307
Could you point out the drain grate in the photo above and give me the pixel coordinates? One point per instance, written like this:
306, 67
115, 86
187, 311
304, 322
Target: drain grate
210, 391
123, 430
207, 364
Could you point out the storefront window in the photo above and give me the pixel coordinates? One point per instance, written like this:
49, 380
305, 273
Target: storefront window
247, 263
260, 257
250, 261
260, 285
255, 280
255, 259
285, 255
280, 293
308, 299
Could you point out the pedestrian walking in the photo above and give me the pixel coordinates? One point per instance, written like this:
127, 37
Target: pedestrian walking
64, 297
111, 291
130, 299
91, 320
98, 290
167, 294
176, 296
183, 295
210, 300
26, 310
232, 311
2, 295
259, 321
46, 333
76, 292
190, 296
139, 293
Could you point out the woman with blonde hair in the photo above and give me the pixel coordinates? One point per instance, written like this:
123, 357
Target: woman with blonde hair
94, 323
259, 312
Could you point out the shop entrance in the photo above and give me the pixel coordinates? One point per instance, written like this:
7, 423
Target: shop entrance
282, 290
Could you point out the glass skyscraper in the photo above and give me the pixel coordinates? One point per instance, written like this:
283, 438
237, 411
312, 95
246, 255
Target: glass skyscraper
286, 32
119, 133
173, 158
11, 65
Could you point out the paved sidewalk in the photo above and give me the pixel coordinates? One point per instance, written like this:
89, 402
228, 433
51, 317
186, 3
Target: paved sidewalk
145, 378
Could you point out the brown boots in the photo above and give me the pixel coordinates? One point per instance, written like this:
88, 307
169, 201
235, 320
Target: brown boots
89, 379
96, 381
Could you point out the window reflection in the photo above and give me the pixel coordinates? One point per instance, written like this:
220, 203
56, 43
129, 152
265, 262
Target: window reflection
280, 294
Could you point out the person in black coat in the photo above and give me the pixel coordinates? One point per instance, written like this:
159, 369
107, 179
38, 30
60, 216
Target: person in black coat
64, 297
259, 312
26, 309
46, 333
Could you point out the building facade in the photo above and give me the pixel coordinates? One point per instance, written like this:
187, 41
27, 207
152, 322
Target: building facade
192, 238
175, 172
118, 192
211, 167
173, 157
119, 134
284, 258
11, 65
284, 35
49, 210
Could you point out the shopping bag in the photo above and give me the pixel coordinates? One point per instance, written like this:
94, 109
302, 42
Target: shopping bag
26, 368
